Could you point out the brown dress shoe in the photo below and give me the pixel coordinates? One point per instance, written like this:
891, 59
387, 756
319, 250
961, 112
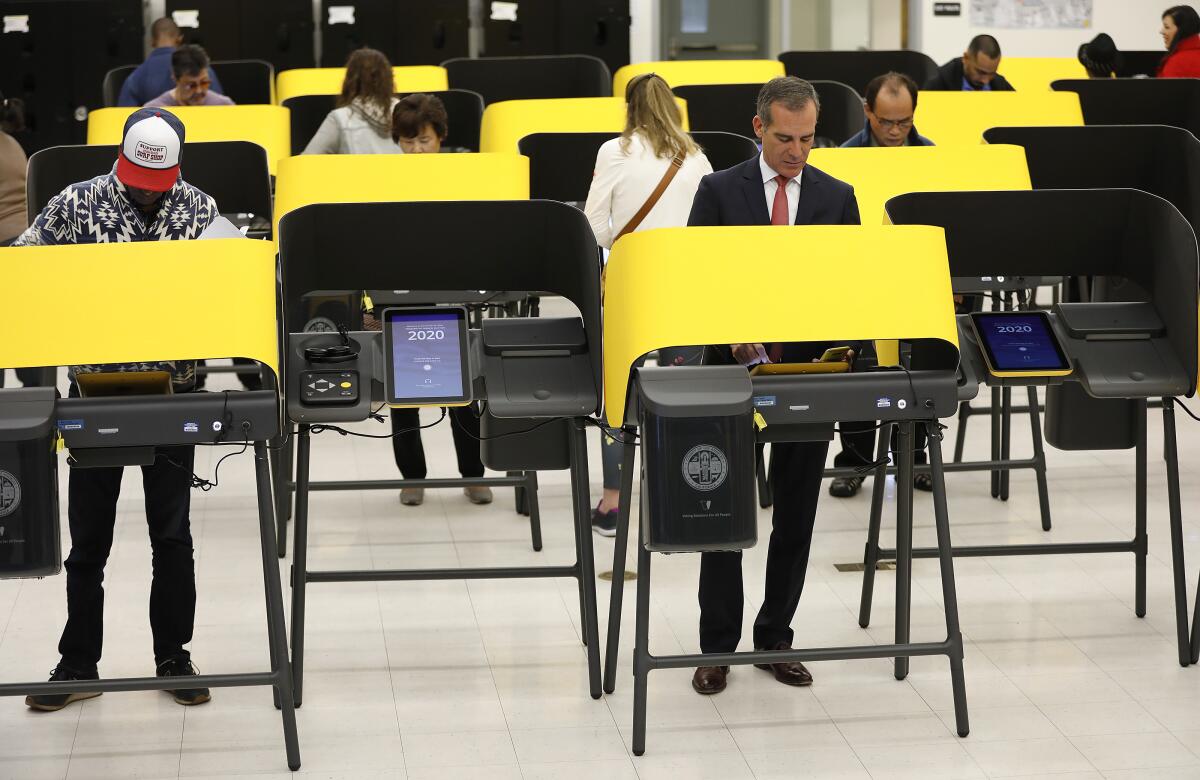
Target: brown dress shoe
709, 679
790, 673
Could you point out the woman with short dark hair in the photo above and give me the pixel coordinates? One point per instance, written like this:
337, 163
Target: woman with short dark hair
362, 121
420, 124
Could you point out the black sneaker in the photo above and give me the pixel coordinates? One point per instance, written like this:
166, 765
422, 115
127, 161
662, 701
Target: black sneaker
923, 482
53, 702
183, 667
845, 487
604, 523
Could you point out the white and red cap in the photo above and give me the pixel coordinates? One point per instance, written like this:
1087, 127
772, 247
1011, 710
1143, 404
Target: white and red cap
151, 148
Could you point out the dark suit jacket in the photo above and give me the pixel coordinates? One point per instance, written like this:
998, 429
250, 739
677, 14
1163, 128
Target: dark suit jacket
735, 196
949, 78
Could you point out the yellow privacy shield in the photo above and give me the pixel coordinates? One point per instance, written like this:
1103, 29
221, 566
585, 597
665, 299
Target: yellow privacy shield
879, 174
959, 118
681, 73
731, 285
506, 123
369, 178
1028, 74
266, 126
124, 303
328, 81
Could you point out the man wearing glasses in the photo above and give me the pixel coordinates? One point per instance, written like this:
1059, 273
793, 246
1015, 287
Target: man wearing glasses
891, 102
189, 70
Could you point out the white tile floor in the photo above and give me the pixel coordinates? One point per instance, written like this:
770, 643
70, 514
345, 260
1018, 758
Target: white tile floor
487, 679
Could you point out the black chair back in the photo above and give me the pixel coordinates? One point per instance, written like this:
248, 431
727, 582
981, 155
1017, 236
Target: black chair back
246, 82
856, 68
525, 78
464, 112
234, 173
113, 81
561, 164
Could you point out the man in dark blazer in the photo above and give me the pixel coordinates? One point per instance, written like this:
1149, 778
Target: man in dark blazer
777, 187
975, 71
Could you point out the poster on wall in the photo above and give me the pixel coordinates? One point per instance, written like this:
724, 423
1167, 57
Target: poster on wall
1032, 14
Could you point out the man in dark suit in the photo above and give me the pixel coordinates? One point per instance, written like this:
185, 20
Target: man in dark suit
777, 187
975, 71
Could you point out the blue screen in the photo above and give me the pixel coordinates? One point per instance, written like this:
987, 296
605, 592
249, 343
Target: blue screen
426, 355
1019, 342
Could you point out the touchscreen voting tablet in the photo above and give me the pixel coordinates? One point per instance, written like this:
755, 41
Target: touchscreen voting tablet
426, 361
1020, 343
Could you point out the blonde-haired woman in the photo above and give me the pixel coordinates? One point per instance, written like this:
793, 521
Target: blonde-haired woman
645, 178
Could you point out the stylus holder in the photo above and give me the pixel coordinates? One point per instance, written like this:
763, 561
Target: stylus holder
30, 542
697, 432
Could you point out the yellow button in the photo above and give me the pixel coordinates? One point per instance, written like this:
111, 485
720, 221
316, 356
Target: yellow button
346, 385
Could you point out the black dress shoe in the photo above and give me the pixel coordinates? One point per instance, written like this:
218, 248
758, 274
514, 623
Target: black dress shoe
788, 673
845, 487
710, 679
923, 482
183, 667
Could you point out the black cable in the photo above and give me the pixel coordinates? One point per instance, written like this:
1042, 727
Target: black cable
317, 429
1183, 406
199, 482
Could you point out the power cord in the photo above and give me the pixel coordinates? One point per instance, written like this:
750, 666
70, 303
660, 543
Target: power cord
1189, 412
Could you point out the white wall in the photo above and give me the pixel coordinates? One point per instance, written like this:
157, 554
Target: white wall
1133, 24
850, 25
643, 30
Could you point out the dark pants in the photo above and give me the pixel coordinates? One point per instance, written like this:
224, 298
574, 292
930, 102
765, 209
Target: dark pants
92, 511
28, 377
796, 469
858, 444
410, 453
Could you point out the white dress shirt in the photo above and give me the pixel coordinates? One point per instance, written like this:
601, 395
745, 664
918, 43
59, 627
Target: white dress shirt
770, 186
624, 180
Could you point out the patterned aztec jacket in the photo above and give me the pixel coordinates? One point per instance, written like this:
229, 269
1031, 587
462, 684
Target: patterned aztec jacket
100, 211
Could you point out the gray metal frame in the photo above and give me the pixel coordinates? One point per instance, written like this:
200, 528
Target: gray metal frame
902, 650
583, 570
280, 676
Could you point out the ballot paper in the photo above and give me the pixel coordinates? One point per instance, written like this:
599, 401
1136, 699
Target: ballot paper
221, 228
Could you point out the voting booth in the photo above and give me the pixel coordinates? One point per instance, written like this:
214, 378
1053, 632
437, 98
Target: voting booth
266, 126
1159, 159
681, 73
655, 280
857, 68
243, 197
524, 28
505, 124
960, 118
731, 108
464, 115
328, 81
537, 379
245, 82
530, 78
1132, 101
561, 165
1133, 340
1029, 74
102, 318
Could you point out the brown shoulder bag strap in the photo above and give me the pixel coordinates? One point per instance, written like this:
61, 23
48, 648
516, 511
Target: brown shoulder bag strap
672, 169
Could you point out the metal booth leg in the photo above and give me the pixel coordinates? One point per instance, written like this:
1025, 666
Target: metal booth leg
300, 560
871, 557
617, 589
276, 631
1039, 457
587, 562
532, 509
904, 506
641, 647
1141, 544
949, 592
995, 416
1177, 562
279, 485
1005, 438
1196, 627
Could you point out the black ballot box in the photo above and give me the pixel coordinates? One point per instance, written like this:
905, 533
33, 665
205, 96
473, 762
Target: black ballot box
697, 429
30, 541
